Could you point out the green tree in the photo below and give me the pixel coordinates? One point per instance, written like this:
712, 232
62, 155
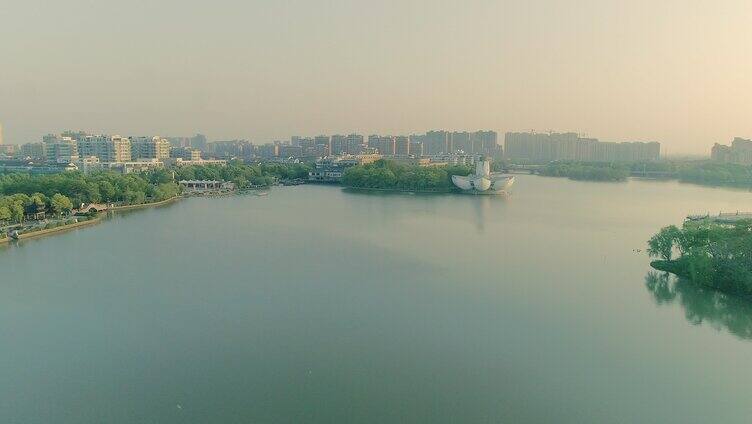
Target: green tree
61, 204
37, 203
5, 214
16, 212
662, 244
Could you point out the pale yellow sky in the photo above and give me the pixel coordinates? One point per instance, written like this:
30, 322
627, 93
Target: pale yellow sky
679, 72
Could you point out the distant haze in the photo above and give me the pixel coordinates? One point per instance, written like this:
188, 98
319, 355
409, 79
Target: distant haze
674, 71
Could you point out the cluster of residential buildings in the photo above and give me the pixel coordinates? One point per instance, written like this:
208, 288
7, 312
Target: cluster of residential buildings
84, 151
739, 152
79, 150
546, 147
312, 147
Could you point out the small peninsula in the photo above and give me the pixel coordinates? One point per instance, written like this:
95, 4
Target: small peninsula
712, 254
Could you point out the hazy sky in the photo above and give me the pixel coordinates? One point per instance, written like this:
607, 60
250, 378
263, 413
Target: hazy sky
675, 71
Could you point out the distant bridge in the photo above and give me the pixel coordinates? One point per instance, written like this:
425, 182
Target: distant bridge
653, 174
522, 169
96, 207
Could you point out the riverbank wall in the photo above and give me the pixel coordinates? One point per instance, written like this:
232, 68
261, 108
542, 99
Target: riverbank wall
145, 205
59, 229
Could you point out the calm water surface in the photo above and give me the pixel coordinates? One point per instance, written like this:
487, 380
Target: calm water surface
316, 305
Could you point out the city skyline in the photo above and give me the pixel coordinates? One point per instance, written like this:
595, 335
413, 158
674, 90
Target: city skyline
666, 150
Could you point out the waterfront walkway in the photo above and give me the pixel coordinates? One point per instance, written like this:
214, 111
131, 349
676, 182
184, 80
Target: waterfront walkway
722, 217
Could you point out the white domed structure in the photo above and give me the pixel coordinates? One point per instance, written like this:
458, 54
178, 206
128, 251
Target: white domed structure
483, 181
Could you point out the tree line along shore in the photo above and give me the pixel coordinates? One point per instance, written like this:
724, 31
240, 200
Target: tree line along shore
697, 171
40, 203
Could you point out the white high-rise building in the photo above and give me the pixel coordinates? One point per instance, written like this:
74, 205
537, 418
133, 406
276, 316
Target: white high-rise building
108, 148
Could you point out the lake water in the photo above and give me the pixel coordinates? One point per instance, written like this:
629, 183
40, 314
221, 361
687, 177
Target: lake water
318, 305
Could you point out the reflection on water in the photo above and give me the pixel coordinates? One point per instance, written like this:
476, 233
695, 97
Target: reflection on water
482, 205
703, 305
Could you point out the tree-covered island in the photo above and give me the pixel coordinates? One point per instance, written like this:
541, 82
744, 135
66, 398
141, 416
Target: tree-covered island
390, 175
711, 254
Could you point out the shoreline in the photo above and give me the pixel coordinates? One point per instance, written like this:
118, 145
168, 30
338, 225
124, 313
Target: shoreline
678, 269
60, 229
145, 205
88, 222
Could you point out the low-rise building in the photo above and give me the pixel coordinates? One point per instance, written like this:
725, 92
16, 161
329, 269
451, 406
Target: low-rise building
330, 169
35, 168
202, 186
200, 162
452, 159
133, 166
88, 164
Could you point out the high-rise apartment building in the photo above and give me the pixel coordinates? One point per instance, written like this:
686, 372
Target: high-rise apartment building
485, 142
228, 149
108, 148
384, 145
179, 141
60, 149
33, 151
149, 148
437, 142
546, 147
740, 152
417, 143
461, 142
337, 144
402, 145
269, 150
354, 144
198, 141
326, 142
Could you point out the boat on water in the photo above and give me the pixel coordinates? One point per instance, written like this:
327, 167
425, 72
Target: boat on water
484, 181
263, 193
